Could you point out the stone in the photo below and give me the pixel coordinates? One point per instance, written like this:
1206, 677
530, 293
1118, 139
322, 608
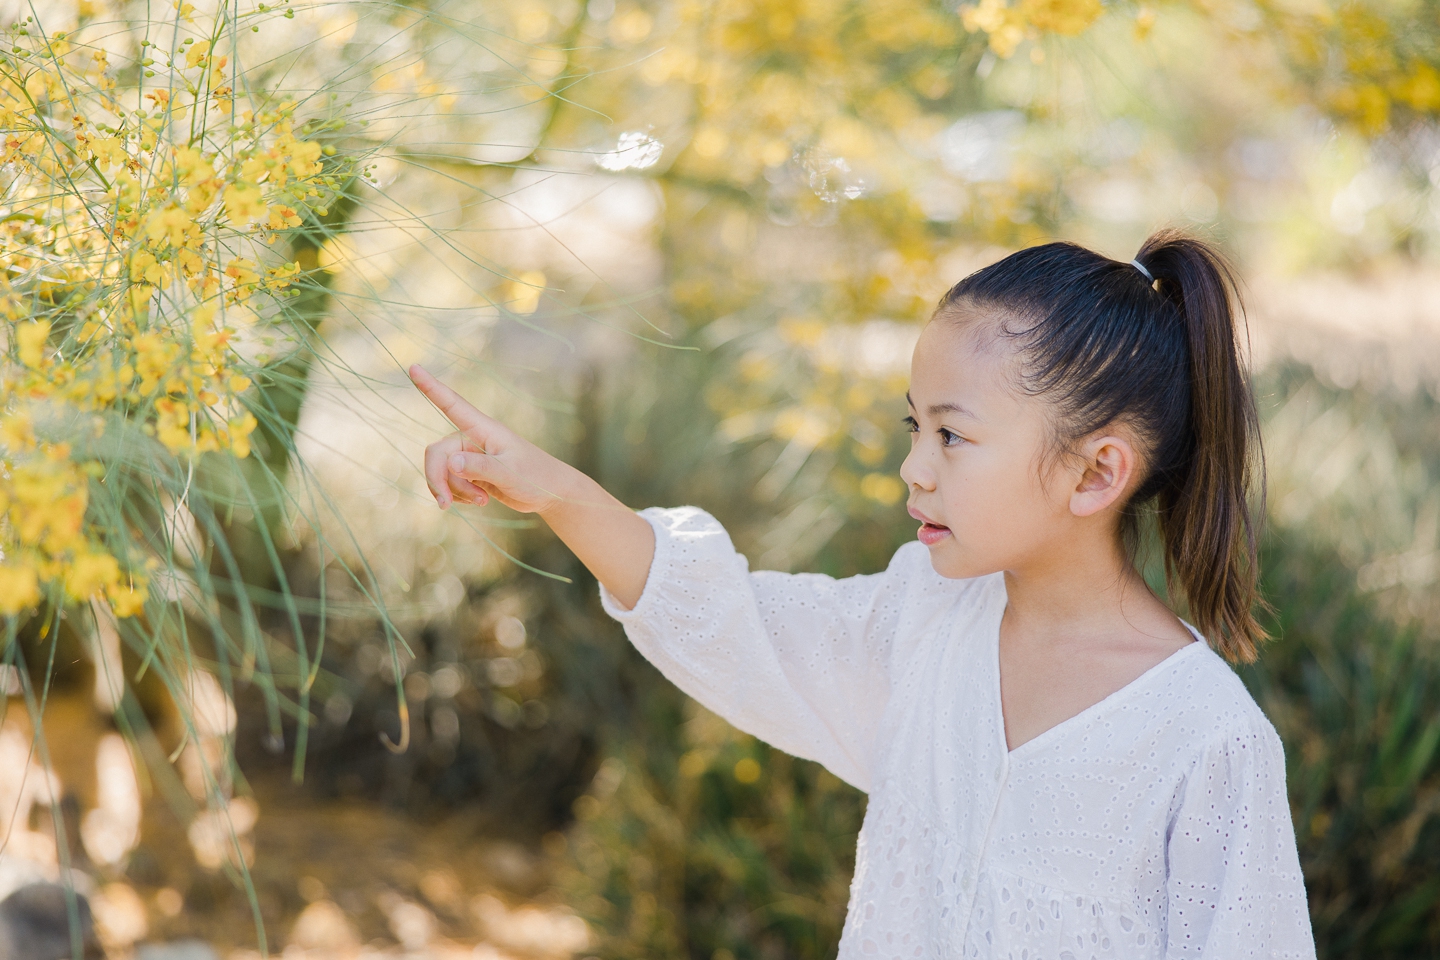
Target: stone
530, 929
176, 950
35, 925
323, 926
120, 916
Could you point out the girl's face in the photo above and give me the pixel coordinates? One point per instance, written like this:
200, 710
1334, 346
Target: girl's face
977, 449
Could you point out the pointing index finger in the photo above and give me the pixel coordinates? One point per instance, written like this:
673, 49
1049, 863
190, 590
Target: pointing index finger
456, 408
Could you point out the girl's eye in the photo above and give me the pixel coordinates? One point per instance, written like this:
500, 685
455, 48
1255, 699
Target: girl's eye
947, 436
911, 425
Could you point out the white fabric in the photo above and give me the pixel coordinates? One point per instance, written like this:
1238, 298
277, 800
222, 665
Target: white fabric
1154, 824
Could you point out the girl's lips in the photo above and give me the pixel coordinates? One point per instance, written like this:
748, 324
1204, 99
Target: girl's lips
931, 534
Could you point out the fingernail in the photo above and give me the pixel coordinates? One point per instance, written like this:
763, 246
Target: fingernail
457, 462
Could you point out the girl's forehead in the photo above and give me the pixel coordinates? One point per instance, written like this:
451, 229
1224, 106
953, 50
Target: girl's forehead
954, 364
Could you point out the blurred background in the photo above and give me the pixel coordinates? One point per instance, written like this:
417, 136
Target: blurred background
688, 246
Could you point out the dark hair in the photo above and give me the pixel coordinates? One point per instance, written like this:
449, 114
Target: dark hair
1109, 346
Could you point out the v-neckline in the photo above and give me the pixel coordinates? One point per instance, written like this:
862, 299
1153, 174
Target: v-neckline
1109, 700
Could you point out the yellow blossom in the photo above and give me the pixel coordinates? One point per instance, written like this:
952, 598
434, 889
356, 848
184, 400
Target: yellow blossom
240, 430
1066, 17
126, 601
108, 151
90, 572
30, 339
192, 165
19, 588
172, 425
305, 158
17, 432
243, 272
197, 54
173, 225
243, 204
143, 267
1004, 24
258, 167
282, 217
153, 358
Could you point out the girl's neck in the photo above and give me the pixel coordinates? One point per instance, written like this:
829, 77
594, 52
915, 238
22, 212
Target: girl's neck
1084, 587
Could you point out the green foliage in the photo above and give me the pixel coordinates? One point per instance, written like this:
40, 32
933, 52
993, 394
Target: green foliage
696, 841
1353, 695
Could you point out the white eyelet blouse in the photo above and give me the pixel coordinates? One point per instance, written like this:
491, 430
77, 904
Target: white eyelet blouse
1153, 824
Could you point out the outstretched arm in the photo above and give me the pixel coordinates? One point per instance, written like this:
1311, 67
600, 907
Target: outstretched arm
486, 459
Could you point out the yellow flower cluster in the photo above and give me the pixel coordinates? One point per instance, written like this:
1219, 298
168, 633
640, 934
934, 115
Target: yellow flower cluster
1377, 71
1008, 25
123, 242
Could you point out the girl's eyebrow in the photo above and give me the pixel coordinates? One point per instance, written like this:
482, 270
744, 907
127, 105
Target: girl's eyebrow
938, 408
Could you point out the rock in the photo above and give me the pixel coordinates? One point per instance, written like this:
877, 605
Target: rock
176, 950
323, 926
511, 864
16, 873
35, 925
529, 929
120, 916
412, 924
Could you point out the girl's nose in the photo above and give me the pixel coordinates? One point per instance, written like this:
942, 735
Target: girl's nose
914, 473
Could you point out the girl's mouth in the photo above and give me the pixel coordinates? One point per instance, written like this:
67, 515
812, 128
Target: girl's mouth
932, 533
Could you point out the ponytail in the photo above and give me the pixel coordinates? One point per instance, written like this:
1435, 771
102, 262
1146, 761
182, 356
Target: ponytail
1108, 344
1206, 519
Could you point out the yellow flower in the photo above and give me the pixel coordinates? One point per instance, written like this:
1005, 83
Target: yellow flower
305, 158
243, 204
282, 217
16, 432
192, 165
89, 572
200, 195
126, 601
197, 54
1005, 25
30, 338
174, 225
143, 267
1144, 23
1421, 90
1066, 17
154, 357
240, 430
19, 588
172, 426
109, 152
245, 274
885, 488
257, 167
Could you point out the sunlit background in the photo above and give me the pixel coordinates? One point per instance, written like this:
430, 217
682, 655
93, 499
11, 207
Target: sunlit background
688, 247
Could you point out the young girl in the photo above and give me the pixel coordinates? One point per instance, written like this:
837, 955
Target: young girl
1059, 767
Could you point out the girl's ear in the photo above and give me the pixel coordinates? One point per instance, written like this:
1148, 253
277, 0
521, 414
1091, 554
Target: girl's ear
1110, 463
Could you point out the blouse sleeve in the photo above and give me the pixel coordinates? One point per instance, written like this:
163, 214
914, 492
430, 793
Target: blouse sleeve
1235, 887
801, 661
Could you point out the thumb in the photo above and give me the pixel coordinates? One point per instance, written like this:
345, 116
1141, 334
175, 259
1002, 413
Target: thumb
471, 466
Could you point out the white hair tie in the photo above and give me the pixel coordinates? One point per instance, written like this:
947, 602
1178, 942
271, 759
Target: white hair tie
1141, 267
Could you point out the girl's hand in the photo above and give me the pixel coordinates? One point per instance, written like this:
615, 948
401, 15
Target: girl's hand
486, 459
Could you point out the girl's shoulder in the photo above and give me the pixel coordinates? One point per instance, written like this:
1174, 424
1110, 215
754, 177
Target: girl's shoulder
1215, 707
